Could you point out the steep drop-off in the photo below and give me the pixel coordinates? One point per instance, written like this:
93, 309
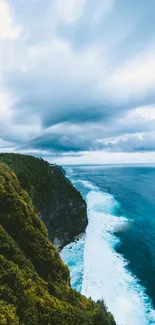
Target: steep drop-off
34, 282
57, 202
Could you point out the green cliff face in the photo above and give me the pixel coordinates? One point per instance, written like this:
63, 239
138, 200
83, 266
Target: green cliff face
57, 202
34, 282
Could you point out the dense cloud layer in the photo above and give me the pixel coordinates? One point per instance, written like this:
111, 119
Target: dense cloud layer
77, 76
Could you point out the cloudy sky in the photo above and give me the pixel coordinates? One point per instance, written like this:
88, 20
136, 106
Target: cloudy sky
77, 80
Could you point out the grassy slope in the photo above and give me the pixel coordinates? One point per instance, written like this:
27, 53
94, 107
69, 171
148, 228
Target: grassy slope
34, 282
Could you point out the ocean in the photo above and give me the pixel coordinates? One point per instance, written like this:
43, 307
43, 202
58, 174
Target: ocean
115, 259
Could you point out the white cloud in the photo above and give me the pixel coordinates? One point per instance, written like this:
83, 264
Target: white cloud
67, 73
103, 157
102, 9
69, 11
8, 28
17, 132
129, 142
63, 59
6, 101
143, 113
24, 132
135, 78
5, 145
140, 118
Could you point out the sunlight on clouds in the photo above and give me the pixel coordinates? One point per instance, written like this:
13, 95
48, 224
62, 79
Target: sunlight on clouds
134, 78
103, 157
122, 138
130, 142
8, 28
143, 113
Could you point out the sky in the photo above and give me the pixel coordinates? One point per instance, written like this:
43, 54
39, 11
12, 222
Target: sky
77, 80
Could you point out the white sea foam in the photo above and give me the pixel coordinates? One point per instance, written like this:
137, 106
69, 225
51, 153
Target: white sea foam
88, 185
72, 255
105, 273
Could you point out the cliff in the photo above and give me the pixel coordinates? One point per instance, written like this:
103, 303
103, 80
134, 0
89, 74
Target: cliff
57, 202
34, 282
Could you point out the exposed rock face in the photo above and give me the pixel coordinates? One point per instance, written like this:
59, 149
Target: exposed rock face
57, 202
66, 215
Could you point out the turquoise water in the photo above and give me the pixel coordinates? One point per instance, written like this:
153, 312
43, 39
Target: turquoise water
115, 260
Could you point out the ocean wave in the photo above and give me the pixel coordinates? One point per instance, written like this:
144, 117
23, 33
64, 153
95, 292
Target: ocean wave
72, 254
89, 185
105, 274
98, 271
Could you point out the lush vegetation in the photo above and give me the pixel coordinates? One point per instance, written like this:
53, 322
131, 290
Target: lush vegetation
57, 202
34, 282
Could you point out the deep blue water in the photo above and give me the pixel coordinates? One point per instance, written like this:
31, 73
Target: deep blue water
119, 246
